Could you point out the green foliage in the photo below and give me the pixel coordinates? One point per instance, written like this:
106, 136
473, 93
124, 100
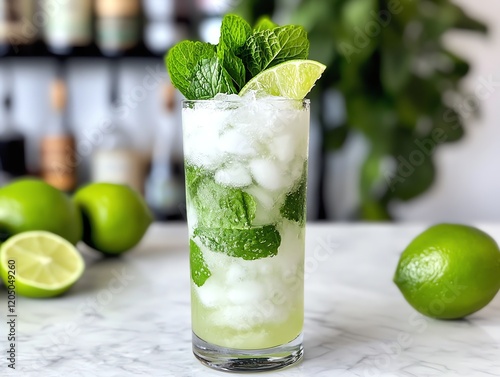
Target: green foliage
202, 70
216, 205
264, 23
294, 207
246, 243
199, 268
387, 59
267, 48
225, 217
182, 61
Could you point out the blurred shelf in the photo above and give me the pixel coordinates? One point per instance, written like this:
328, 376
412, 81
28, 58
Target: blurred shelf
40, 50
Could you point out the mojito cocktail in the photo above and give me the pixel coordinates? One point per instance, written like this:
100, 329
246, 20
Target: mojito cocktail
246, 170
246, 178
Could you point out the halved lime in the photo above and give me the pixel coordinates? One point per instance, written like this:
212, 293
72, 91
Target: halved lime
292, 79
44, 264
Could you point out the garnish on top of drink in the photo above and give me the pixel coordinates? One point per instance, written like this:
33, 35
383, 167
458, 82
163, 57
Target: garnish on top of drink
269, 60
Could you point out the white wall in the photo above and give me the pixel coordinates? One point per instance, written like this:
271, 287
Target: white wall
468, 184
467, 187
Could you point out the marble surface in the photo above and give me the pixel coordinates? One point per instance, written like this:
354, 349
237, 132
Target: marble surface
130, 316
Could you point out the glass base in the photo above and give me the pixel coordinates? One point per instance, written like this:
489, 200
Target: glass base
236, 360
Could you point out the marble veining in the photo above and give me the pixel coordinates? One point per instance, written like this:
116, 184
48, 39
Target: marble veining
130, 316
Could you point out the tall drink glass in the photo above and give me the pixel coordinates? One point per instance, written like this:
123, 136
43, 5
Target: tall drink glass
246, 178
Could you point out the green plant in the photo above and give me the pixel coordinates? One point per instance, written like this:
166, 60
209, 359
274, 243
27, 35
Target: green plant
388, 60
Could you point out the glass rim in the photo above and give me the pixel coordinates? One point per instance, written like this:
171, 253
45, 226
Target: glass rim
305, 101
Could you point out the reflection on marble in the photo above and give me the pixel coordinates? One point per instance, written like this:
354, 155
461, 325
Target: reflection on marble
130, 316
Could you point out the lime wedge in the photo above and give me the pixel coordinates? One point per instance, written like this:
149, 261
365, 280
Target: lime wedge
45, 264
292, 79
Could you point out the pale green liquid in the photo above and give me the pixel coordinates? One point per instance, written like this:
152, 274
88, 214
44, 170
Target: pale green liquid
263, 329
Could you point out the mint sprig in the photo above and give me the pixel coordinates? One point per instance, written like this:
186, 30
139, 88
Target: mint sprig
234, 32
267, 48
264, 23
209, 78
232, 64
294, 207
248, 244
183, 63
199, 268
216, 205
202, 70
225, 217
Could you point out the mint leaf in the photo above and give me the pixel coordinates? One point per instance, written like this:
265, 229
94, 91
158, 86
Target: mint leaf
216, 205
209, 79
294, 207
232, 64
264, 23
182, 60
194, 176
267, 48
234, 32
199, 269
249, 244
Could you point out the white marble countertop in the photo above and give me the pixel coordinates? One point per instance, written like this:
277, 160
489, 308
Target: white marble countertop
130, 316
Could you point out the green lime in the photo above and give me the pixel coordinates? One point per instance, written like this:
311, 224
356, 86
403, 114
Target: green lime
43, 264
449, 271
115, 217
31, 204
292, 79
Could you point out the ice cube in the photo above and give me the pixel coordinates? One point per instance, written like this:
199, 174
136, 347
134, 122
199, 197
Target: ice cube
295, 171
283, 147
235, 274
248, 292
227, 97
211, 294
268, 174
233, 176
251, 95
237, 143
263, 197
220, 97
202, 128
298, 128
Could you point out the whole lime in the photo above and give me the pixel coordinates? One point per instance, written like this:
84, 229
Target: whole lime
449, 271
31, 204
115, 217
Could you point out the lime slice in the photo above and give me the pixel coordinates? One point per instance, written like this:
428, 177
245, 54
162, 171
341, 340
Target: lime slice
292, 79
45, 264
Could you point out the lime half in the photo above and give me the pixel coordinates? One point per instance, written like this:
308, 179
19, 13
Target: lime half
44, 264
292, 79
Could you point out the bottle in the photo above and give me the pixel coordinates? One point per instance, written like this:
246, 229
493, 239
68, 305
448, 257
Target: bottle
164, 190
16, 24
58, 146
118, 25
210, 18
159, 9
161, 29
115, 160
4, 38
68, 26
12, 145
215, 7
